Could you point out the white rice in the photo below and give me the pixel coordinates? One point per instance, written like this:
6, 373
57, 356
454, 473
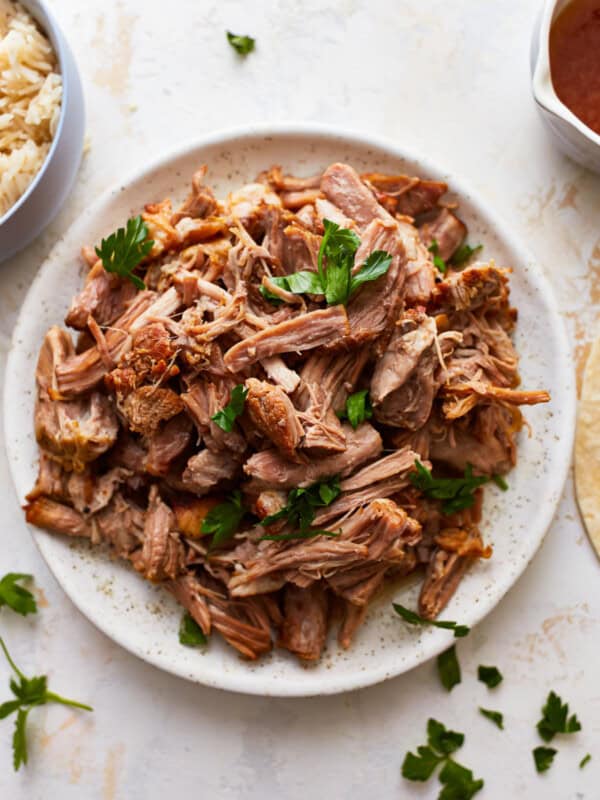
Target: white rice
30, 98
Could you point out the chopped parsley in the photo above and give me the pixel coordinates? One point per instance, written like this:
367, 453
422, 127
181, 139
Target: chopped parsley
190, 633
543, 758
17, 597
449, 668
438, 261
241, 44
491, 676
494, 716
585, 760
414, 619
226, 417
301, 508
123, 250
457, 493
358, 408
223, 520
555, 719
464, 254
500, 482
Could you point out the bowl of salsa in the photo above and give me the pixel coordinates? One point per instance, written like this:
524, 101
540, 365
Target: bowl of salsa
566, 76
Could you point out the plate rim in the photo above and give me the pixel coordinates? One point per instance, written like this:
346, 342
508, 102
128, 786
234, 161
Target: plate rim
437, 640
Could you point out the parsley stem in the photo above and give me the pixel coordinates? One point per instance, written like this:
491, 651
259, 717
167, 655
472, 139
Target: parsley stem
56, 698
10, 661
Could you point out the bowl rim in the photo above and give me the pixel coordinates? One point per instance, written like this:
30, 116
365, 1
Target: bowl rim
437, 640
52, 30
543, 88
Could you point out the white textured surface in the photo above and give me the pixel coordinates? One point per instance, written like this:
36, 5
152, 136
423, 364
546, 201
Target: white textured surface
451, 81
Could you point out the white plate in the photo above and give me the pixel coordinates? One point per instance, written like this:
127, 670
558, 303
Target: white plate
143, 618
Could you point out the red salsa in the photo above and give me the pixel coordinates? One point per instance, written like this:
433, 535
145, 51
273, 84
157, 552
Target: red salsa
575, 59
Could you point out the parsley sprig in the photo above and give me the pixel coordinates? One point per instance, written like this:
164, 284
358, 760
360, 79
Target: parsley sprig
438, 261
334, 277
17, 597
494, 716
543, 757
358, 408
226, 417
241, 44
223, 520
190, 633
555, 719
448, 668
28, 692
464, 253
301, 508
457, 781
457, 493
491, 676
123, 250
414, 619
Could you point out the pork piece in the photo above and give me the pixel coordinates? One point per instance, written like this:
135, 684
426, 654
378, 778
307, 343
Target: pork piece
403, 385
354, 617
203, 400
444, 572
162, 554
472, 288
383, 478
289, 183
343, 187
157, 217
375, 305
420, 270
72, 432
405, 195
460, 398
56, 517
465, 541
270, 470
188, 593
145, 408
278, 372
323, 432
295, 335
82, 372
359, 584
168, 443
104, 297
295, 200
299, 249
128, 452
207, 469
121, 525
271, 410
150, 359
327, 210
304, 628
269, 501
200, 202
447, 230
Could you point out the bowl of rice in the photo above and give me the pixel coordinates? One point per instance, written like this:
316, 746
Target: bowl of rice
42, 121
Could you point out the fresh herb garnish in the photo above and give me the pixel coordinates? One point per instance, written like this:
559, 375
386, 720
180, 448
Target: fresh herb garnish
16, 597
224, 520
414, 619
125, 248
586, 759
334, 277
457, 781
28, 692
300, 510
241, 44
458, 493
449, 668
190, 633
464, 253
491, 676
226, 417
543, 757
500, 482
555, 719
495, 716
358, 408
438, 261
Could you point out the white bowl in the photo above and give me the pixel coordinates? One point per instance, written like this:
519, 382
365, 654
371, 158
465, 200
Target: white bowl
569, 133
142, 617
49, 189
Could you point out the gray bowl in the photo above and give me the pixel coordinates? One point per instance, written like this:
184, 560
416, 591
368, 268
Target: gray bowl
568, 132
49, 189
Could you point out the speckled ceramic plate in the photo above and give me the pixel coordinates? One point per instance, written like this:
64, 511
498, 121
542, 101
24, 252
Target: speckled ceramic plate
142, 617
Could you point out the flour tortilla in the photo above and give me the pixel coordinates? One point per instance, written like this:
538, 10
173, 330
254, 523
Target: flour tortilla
587, 448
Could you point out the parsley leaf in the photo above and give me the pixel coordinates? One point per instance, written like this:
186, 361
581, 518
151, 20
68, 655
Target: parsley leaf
449, 668
587, 758
464, 253
226, 417
414, 619
376, 265
457, 493
124, 249
495, 716
358, 408
491, 676
300, 510
443, 740
458, 781
500, 482
190, 632
29, 692
224, 520
304, 282
15, 596
556, 719
438, 261
543, 757
241, 44
420, 767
